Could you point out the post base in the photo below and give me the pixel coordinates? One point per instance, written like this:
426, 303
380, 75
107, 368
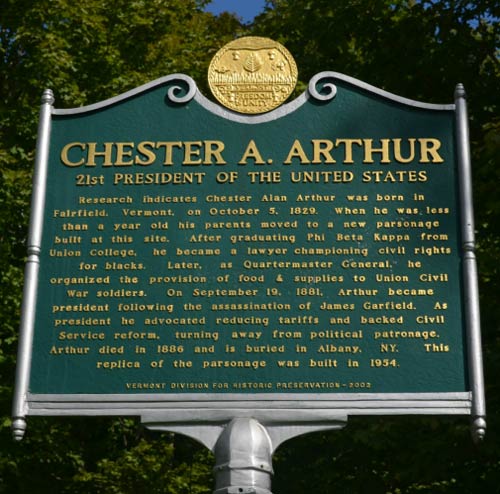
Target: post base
242, 490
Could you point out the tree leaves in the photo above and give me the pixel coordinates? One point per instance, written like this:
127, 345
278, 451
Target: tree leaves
90, 50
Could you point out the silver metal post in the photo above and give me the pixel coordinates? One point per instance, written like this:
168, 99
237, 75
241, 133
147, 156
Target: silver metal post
243, 459
27, 325
471, 290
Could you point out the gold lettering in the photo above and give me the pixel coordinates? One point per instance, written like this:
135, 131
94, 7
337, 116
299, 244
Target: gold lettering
397, 150
348, 148
143, 148
121, 153
213, 149
430, 147
296, 152
369, 150
190, 153
92, 153
321, 149
169, 146
64, 154
251, 152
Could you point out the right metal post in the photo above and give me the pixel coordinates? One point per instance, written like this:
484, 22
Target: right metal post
471, 290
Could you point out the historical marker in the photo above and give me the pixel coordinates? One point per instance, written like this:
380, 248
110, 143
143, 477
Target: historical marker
187, 263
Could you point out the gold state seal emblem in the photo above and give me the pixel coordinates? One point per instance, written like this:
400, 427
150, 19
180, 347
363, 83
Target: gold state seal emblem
252, 75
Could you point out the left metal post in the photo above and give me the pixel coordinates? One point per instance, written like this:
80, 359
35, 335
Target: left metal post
19, 407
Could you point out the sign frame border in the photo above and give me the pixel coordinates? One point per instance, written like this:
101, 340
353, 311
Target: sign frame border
186, 413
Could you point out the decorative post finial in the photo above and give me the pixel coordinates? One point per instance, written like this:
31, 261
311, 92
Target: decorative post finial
48, 97
18, 428
460, 91
478, 429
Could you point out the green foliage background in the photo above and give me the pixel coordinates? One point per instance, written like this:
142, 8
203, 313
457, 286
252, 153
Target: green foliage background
90, 50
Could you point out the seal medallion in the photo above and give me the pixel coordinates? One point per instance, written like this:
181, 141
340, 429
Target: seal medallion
252, 75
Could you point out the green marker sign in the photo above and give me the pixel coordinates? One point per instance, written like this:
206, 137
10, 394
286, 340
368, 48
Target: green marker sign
312, 256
